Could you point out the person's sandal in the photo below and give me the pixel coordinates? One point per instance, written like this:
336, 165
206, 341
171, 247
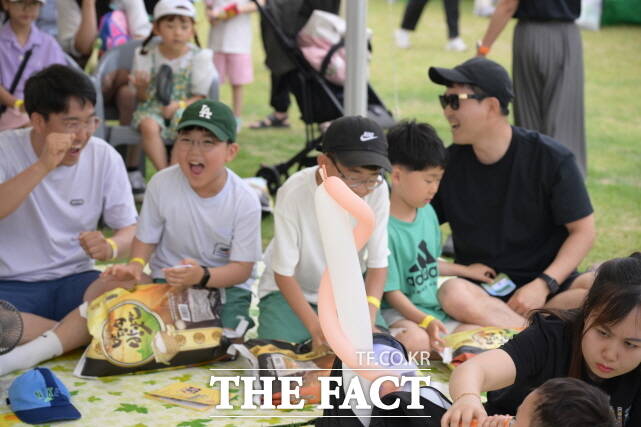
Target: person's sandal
270, 121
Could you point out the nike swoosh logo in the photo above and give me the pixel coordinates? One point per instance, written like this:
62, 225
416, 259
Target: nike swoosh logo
368, 138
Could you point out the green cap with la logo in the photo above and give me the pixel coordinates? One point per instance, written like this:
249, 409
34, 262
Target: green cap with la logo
214, 116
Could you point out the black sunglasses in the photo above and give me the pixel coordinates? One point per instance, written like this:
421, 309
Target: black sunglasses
453, 99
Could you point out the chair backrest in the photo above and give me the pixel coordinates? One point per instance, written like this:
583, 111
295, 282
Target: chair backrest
120, 57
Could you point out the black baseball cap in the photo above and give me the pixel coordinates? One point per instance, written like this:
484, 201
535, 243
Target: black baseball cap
357, 141
491, 77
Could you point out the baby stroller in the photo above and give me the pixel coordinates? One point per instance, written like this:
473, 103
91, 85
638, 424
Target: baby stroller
318, 99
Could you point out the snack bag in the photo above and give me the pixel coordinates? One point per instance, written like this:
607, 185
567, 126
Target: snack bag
281, 359
467, 344
156, 326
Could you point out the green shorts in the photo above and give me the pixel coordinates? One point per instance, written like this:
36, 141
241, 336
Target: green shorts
277, 320
237, 302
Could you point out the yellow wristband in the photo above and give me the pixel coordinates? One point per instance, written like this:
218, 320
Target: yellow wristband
374, 301
19, 103
139, 261
114, 248
182, 105
426, 321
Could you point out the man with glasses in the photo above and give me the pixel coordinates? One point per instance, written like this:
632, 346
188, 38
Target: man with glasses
514, 198
355, 150
56, 182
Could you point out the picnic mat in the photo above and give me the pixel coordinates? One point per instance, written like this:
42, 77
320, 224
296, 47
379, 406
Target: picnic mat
119, 401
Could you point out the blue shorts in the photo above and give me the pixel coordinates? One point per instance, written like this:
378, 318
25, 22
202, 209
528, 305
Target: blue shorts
51, 299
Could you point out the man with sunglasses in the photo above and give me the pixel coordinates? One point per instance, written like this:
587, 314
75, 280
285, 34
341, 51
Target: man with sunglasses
355, 150
56, 182
514, 198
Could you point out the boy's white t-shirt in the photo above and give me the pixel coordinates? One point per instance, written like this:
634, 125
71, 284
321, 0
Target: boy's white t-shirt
199, 61
232, 35
39, 240
213, 231
296, 249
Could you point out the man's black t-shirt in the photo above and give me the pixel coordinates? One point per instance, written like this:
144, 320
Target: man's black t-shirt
543, 351
511, 215
548, 10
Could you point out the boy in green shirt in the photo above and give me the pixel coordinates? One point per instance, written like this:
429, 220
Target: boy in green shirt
411, 300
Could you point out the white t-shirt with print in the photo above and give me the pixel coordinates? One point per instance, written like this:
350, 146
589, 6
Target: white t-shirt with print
296, 248
213, 230
39, 240
199, 61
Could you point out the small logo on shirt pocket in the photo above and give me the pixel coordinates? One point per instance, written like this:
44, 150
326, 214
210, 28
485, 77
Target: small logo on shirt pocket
77, 202
221, 250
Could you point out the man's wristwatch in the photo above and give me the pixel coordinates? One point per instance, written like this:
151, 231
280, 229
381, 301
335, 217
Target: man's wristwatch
203, 282
553, 285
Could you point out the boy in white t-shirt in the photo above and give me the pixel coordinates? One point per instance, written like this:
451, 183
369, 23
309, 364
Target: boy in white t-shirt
56, 181
200, 214
354, 149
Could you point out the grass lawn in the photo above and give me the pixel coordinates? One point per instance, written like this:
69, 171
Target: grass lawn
612, 92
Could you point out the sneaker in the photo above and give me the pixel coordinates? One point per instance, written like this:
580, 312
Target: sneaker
138, 185
456, 45
402, 38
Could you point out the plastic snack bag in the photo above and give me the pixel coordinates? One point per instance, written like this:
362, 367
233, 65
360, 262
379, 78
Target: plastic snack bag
156, 326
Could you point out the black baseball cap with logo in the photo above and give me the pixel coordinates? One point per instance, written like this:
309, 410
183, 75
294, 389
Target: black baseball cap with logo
491, 77
357, 141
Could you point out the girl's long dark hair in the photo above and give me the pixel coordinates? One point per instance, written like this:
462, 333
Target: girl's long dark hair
145, 51
616, 292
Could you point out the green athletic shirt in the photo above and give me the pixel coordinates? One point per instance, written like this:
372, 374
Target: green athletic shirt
412, 262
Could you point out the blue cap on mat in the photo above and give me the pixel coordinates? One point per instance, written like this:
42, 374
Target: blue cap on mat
38, 397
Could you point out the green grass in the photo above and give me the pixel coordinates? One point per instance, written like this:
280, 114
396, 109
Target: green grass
612, 92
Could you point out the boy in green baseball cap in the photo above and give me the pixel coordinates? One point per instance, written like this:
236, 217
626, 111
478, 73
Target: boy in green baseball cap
200, 222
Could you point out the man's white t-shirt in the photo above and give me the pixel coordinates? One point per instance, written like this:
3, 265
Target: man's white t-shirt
39, 240
233, 35
296, 248
213, 230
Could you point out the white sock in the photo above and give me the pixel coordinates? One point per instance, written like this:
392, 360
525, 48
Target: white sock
45, 347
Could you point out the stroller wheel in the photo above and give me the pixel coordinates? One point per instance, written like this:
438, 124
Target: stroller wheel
272, 176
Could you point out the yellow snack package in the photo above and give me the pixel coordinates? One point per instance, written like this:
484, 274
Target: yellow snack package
156, 326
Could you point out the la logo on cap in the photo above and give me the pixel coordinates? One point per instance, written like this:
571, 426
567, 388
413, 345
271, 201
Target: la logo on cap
368, 136
205, 112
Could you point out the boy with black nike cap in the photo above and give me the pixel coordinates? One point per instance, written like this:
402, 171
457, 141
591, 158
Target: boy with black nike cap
355, 150
515, 199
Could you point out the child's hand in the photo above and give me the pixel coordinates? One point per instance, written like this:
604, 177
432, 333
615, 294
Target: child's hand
168, 111
480, 272
215, 15
191, 274
435, 328
466, 411
95, 245
497, 421
125, 272
140, 79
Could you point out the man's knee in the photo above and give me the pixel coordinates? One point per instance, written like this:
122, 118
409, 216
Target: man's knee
584, 281
458, 294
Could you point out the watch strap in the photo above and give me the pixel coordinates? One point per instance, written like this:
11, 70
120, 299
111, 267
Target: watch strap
206, 276
553, 285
